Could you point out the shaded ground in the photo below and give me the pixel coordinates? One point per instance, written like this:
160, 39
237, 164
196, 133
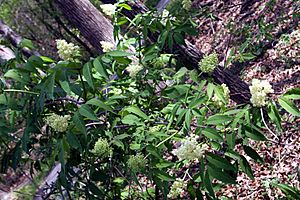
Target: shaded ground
279, 64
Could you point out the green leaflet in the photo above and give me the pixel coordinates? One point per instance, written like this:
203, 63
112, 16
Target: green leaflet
87, 74
289, 106
87, 112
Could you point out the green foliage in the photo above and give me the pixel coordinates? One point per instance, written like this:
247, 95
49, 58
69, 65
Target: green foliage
6, 11
289, 191
122, 127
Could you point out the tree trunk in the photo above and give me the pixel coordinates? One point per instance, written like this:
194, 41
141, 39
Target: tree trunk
90, 22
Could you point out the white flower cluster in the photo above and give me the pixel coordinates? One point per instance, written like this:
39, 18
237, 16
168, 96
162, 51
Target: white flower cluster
186, 4
57, 122
108, 9
67, 51
102, 148
164, 15
209, 63
107, 46
217, 101
190, 149
259, 90
177, 189
134, 69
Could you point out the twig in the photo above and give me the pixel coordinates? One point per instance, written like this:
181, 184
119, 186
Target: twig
69, 99
94, 123
21, 91
120, 173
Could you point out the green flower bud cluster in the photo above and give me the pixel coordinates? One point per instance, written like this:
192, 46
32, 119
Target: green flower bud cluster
136, 163
186, 4
102, 148
57, 122
154, 129
209, 63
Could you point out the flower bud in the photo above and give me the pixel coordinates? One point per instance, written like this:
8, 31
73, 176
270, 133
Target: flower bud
136, 163
57, 122
209, 63
102, 148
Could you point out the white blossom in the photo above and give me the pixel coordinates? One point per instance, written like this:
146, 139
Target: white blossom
67, 51
164, 16
177, 188
57, 122
107, 46
259, 90
225, 90
134, 69
190, 149
108, 9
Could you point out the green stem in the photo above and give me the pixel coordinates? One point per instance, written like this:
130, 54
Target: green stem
167, 139
84, 89
21, 91
163, 141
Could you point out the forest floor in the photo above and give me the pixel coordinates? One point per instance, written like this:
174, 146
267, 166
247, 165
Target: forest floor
279, 64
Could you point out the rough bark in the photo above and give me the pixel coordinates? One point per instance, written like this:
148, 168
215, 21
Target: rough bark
14, 38
90, 22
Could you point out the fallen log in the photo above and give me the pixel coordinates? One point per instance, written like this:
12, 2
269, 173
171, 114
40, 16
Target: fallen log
15, 39
45, 189
190, 55
95, 28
